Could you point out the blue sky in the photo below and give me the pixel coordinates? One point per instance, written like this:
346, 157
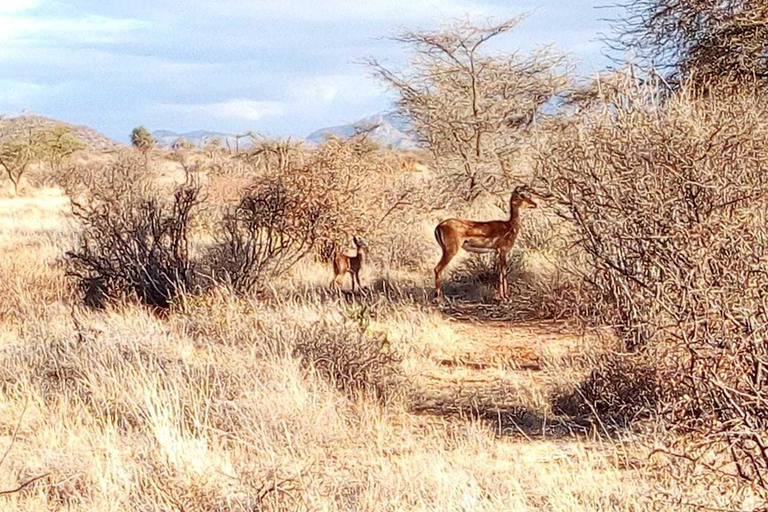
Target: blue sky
280, 67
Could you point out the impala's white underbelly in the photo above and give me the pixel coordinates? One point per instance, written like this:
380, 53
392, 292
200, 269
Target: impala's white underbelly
480, 245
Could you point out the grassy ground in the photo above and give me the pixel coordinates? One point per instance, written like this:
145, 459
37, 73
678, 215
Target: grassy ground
211, 409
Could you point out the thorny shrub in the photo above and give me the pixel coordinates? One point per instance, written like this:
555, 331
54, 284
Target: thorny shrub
274, 226
619, 390
132, 243
667, 200
353, 359
344, 178
126, 177
310, 205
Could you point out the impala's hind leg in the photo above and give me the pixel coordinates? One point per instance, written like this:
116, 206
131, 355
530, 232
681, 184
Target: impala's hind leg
340, 267
450, 247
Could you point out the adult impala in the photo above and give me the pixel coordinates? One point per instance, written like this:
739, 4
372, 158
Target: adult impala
482, 237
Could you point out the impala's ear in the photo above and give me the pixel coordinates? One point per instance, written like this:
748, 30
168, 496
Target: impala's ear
517, 190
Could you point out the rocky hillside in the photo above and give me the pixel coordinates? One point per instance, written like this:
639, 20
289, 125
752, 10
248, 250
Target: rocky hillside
389, 130
93, 140
166, 138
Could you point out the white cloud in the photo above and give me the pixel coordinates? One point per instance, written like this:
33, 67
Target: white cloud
372, 9
196, 63
86, 29
234, 108
400, 11
326, 89
21, 95
12, 6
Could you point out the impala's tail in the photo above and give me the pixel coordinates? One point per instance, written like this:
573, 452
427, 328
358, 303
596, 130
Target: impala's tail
439, 235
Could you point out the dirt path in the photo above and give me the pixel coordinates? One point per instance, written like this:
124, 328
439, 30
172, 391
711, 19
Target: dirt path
501, 371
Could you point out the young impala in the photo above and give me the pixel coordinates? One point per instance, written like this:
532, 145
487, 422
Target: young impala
481, 237
343, 264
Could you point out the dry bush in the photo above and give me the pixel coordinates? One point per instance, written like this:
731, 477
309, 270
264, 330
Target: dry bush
311, 203
275, 225
667, 200
619, 390
400, 229
272, 155
125, 174
403, 243
355, 183
133, 244
707, 42
353, 360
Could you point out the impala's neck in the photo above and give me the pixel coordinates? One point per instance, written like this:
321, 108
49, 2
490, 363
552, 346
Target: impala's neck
361, 255
514, 213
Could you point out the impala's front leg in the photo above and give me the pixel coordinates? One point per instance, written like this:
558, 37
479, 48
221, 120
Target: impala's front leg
502, 273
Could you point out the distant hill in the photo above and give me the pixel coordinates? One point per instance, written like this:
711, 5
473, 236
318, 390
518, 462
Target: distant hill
166, 138
93, 140
390, 130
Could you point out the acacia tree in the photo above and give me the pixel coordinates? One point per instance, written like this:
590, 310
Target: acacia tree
142, 140
182, 144
710, 42
18, 154
58, 145
468, 106
275, 154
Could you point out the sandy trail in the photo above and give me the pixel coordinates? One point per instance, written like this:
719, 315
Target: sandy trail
505, 372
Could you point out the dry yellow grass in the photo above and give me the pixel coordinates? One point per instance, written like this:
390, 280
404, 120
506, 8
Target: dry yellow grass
209, 410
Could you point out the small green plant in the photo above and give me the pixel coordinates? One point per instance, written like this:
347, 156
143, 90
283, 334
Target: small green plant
360, 315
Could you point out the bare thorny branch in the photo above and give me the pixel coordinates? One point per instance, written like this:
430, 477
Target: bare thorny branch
667, 202
8, 449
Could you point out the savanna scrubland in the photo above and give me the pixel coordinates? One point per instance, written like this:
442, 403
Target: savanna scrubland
169, 340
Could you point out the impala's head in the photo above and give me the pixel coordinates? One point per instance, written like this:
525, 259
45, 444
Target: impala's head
521, 199
359, 242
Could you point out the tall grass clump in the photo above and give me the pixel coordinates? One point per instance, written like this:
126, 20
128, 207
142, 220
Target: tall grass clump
351, 359
666, 196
